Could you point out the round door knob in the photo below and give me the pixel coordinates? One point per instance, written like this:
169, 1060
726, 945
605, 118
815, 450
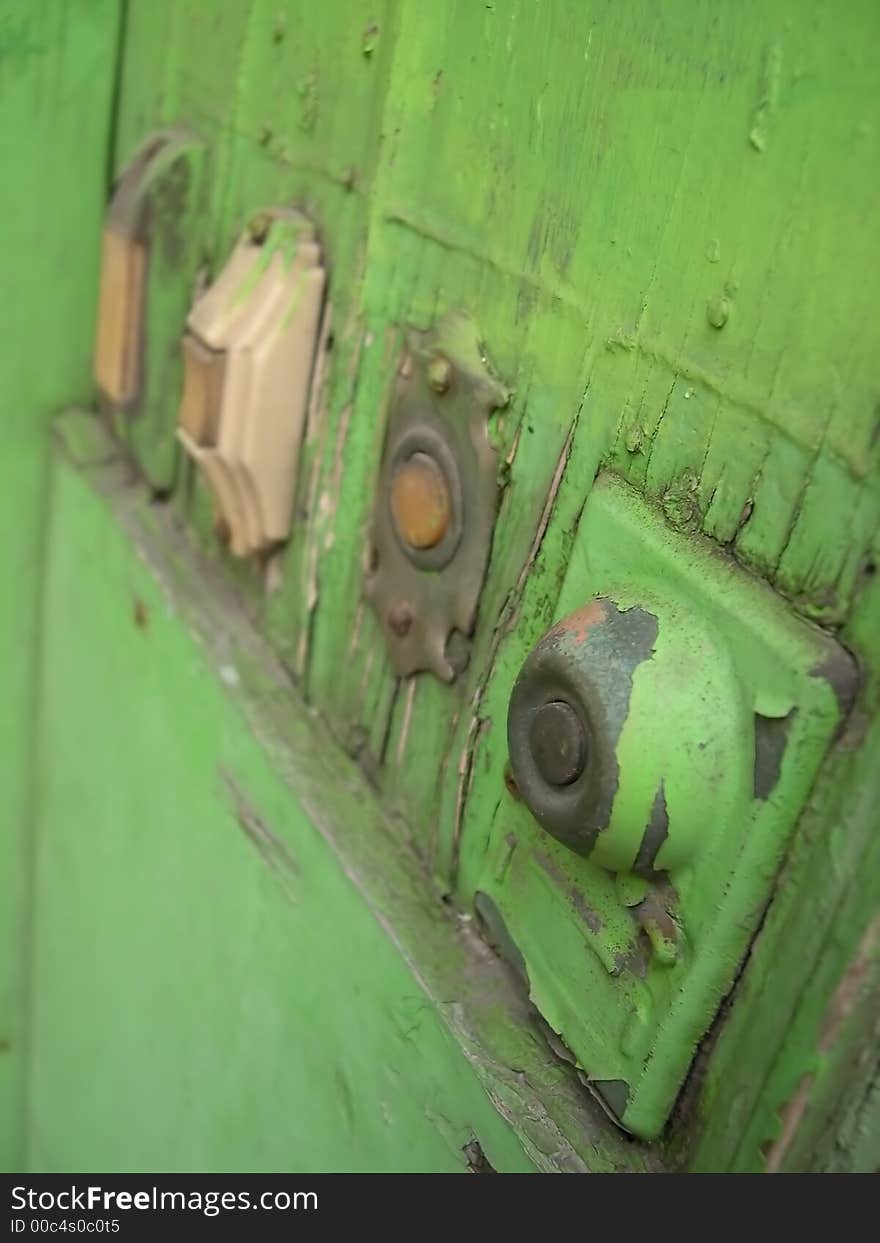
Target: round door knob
622, 732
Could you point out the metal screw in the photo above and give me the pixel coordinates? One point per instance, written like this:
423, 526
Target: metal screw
718, 312
258, 227
558, 743
400, 618
439, 373
457, 651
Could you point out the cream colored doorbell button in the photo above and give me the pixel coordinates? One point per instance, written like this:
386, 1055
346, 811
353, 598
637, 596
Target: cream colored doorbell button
249, 353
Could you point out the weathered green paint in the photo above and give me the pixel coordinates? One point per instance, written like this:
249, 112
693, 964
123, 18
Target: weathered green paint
661, 218
205, 899
825, 901
726, 656
57, 63
267, 981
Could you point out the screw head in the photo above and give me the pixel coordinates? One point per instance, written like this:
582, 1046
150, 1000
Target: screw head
558, 743
457, 651
401, 616
718, 312
421, 505
439, 372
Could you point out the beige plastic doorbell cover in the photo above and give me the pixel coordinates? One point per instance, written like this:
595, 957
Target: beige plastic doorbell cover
249, 352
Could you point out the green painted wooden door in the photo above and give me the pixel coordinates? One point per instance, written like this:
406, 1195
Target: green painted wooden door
242, 858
